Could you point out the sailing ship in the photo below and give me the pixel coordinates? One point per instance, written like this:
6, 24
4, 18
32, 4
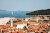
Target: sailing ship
11, 12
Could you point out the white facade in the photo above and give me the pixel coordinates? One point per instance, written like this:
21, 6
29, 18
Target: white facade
20, 26
3, 21
26, 19
11, 23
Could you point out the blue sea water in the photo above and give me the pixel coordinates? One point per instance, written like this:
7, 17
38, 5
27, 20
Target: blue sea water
16, 14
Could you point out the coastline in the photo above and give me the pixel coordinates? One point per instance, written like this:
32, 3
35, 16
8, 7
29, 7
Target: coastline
37, 15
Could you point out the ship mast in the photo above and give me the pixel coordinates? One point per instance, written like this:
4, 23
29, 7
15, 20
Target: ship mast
11, 12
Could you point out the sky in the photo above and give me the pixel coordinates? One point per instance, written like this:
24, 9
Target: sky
24, 5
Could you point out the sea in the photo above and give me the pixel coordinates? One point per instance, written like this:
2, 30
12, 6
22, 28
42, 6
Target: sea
16, 14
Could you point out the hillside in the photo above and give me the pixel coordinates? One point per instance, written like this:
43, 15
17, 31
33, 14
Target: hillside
40, 12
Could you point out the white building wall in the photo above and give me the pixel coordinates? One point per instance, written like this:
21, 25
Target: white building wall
26, 19
3, 21
20, 26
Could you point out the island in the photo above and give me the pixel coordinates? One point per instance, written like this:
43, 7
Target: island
2, 10
40, 12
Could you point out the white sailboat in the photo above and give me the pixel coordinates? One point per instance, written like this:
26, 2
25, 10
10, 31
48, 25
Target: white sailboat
12, 13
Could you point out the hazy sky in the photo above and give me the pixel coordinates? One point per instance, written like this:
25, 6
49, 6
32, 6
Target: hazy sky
24, 5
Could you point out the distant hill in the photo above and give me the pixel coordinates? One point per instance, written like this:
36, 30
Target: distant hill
2, 10
40, 12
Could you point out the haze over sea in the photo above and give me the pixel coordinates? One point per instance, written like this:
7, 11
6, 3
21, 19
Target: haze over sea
16, 14
25, 5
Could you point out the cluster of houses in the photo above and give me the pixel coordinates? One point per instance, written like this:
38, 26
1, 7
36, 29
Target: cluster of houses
26, 25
